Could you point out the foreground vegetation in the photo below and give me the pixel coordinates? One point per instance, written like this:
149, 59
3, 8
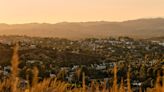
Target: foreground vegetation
12, 84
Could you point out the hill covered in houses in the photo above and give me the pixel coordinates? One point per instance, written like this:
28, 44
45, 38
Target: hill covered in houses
64, 59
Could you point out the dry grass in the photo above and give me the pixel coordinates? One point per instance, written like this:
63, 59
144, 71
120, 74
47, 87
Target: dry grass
53, 85
128, 80
115, 88
122, 89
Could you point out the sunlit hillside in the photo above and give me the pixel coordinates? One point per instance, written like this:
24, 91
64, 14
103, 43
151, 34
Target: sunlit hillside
141, 28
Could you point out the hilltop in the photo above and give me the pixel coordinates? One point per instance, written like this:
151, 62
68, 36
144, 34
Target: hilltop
141, 28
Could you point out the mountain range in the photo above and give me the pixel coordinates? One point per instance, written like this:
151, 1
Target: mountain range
140, 28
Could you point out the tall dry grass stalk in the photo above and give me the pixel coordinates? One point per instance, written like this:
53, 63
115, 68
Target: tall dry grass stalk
97, 87
104, 86
14, 69
92, 86
83, 81
61, 74
35, 79
78, 73
122, 86
128, 80
158, 87
115, 88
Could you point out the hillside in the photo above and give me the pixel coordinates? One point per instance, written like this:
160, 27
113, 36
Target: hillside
141, 28
5, 54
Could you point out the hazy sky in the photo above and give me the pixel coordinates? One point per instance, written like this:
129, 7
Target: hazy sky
52, 11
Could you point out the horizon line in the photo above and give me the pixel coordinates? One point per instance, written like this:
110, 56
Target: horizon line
119, 21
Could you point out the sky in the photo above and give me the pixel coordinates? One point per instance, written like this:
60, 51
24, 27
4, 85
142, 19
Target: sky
53, 11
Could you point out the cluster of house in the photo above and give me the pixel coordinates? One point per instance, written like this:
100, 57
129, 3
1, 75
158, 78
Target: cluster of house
119, 51
71, 72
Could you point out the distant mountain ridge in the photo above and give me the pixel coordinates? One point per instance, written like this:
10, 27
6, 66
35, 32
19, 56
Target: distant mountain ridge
141, 28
